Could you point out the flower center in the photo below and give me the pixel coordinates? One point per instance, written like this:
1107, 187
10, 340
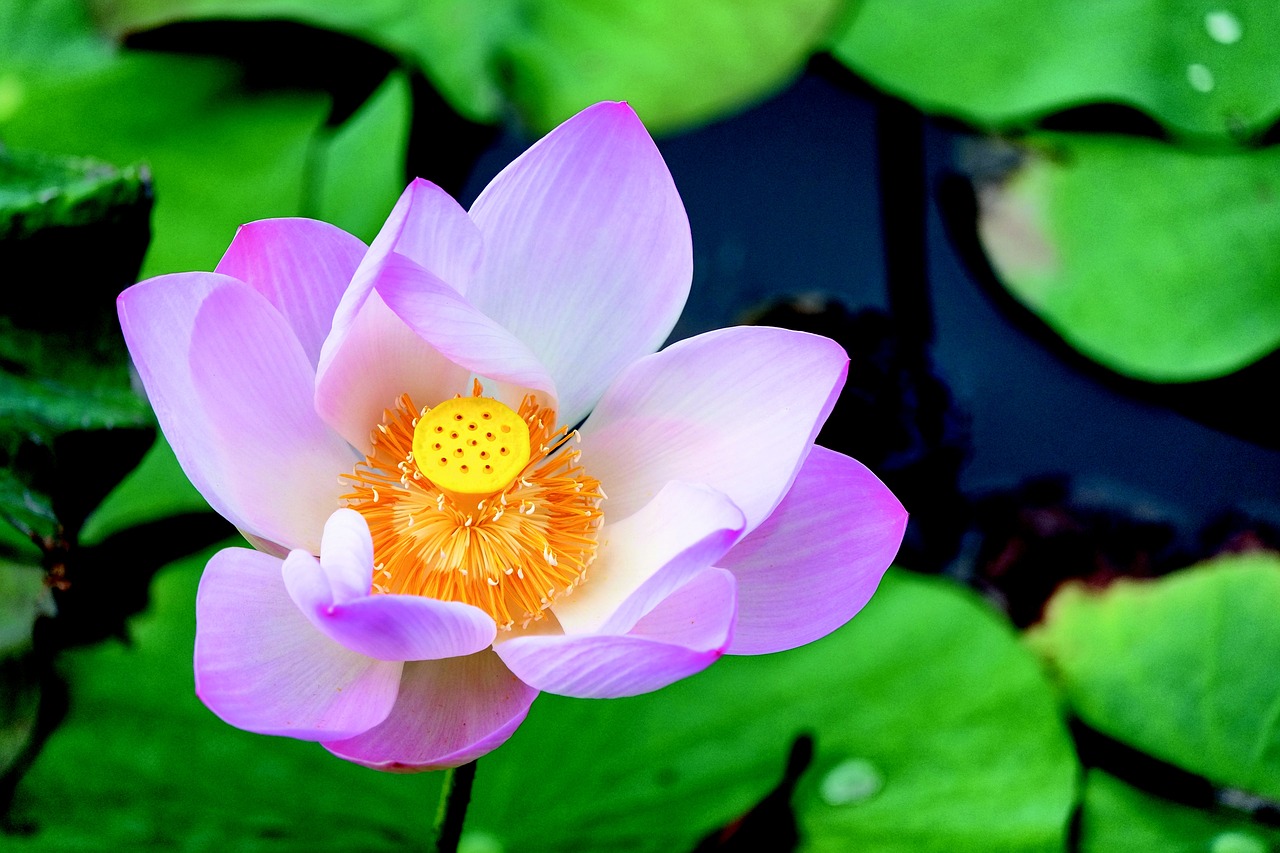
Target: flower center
471, 501
471, 445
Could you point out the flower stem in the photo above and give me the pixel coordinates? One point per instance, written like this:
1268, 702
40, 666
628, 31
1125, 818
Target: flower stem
455, 796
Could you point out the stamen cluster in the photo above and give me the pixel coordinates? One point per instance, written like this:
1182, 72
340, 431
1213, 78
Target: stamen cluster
511, 552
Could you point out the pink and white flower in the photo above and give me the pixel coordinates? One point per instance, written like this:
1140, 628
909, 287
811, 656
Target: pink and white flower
390, 426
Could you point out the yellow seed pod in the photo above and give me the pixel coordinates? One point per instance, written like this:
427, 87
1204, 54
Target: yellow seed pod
471, 445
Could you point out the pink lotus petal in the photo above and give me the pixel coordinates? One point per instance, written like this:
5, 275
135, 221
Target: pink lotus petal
346, 556
301, 266
236, 448
371, 357
818, 558
587, 254
254, 385
432, 229
454, 328
683, 530
262, 667
333, 593
683, 635
379, 359
426, 225
448, 712
736, 409
157, 317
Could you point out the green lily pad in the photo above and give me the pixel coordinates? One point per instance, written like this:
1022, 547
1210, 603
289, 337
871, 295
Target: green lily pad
1182, 668
220, 155
1160, 263
1118, 817
367, 151
1200, 69
48, 34
39, 191
933, 732
677, 63
72, 233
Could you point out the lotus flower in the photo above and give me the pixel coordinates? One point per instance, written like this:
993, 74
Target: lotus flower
391, 427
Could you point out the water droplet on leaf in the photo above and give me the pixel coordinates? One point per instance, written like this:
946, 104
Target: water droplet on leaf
1237, 842
851, 781
479, 842
1223, 26
1200, 77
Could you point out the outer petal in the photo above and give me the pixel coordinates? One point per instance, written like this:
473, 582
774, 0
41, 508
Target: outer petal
736, 409
683, 635
333, 593
682, 531
157, 317
301, 266
818, 558
278, 462
448, 712
587, 254
261, 666
236, 408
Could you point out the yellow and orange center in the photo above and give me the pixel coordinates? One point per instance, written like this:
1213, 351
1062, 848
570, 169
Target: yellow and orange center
472, 501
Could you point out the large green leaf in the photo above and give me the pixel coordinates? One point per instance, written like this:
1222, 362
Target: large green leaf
933, 731
1160, 263
220, 155
1182, 668
368, 151
1117, 817
72, 234
1198, 68
678, 63
452, 40
39, 191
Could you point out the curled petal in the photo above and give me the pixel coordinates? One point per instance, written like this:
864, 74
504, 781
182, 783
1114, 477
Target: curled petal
448, 712
818, 558
261, 666
301, 266
587, 254
457, 330
428, 226
346, 556
371, 357
683, 635
683, 530
736, 409
333, 593
377, 359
